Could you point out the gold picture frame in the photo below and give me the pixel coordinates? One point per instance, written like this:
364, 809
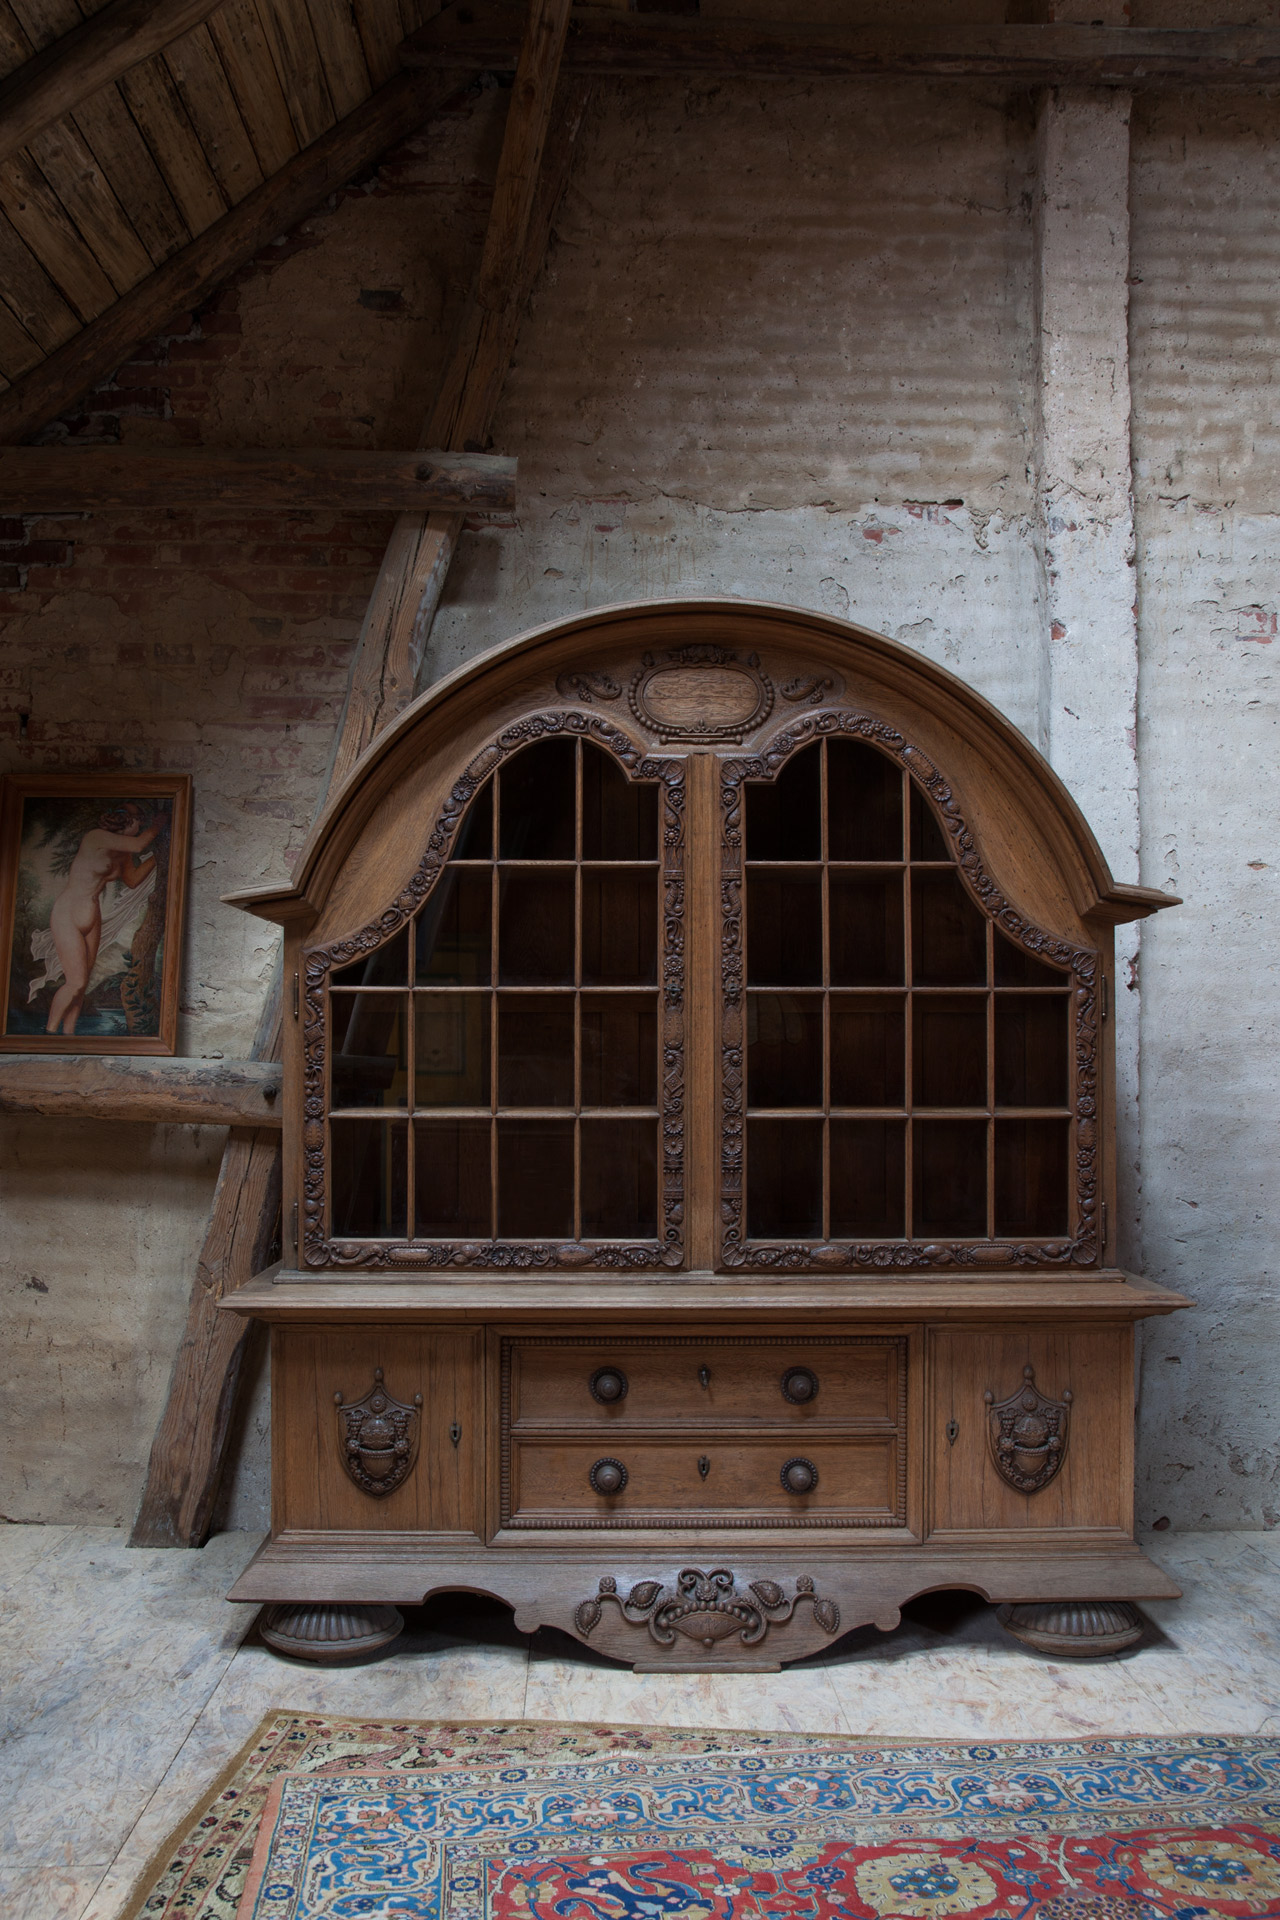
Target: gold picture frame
93, 886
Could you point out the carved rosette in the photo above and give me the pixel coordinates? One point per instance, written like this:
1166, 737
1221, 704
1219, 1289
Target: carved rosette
706, 1607
1084, 1248
378, 1438
1027, 1434
317, 1249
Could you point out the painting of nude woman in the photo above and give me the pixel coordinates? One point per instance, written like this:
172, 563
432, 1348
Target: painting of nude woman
92, 879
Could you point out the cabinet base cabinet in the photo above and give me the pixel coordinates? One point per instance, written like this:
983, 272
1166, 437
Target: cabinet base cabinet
715, 1496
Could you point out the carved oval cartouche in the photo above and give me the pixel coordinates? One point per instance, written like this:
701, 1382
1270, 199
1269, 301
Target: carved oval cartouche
694, 699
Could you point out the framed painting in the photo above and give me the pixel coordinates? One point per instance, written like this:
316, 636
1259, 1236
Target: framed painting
93, 881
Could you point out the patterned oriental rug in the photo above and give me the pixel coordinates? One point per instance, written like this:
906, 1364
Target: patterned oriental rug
329, 1819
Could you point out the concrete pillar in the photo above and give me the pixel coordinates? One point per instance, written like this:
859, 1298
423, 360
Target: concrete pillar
1084, 487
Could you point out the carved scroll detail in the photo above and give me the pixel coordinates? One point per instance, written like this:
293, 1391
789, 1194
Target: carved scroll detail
1027, 1434
378, 1438
317, 1249
1082, 963
706, 1607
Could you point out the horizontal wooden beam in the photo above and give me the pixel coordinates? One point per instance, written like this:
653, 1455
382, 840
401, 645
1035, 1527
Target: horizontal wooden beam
487, 34
89, 479
155, 1092
55, 80
302, 185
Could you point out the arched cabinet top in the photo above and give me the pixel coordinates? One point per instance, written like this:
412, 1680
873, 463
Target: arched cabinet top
674, 677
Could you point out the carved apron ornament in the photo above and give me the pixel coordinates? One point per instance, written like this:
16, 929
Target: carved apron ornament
378, 1438
706, 1607
1027, 1434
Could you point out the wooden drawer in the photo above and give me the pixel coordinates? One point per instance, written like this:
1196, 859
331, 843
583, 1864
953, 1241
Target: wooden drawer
547, 1381
1092, 1488
311, 1487
546, 1482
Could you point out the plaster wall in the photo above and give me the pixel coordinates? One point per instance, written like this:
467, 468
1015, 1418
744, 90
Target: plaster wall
784, 347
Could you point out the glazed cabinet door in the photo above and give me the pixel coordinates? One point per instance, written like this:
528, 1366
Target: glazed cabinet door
1030, 1428
355, 1450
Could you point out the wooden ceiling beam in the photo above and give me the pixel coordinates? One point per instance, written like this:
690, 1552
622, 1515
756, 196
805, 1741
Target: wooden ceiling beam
55, 81
487, 34
147, 1090
302, 185
93, 479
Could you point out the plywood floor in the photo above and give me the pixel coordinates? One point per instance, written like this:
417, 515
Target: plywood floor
129, 1682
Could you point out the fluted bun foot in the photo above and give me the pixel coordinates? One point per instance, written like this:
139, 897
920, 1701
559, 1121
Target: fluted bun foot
1080, 1629
312, 1630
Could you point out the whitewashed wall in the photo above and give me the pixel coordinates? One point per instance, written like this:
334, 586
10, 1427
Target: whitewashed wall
786, 347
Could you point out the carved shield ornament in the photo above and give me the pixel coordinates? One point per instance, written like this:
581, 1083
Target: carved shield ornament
1027, 1434
378, 1438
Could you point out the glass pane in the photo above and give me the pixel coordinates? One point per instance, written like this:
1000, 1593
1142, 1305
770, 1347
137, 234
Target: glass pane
784, 929
451, 1179
866, 930
868, 1036
535, 1050
1031, 1050
536, 803
619, 816
864, 803
535, 929
950, 1183
619, 1050
1031, 1176
948, 934
949, 1050
1015, 967
784, 816
927, 841
868, 1179
784, 1050
619, 927
453, 929
368, 1179
784, 1179
451, 1049
619, 1179
535, 1179
368, 1066
474, 840
387, 967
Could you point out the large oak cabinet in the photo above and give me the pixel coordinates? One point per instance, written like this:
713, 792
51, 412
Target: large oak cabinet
699, 1153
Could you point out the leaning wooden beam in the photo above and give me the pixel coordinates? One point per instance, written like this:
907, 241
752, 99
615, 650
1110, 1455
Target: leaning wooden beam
187, 1454
300, 186
54, 479
157, 1092
387, 667
487, 33
55, 80
185, 1466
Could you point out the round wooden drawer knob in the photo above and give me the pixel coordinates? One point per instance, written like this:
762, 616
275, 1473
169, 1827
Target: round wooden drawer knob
608, 1476
608, 1384
799, 1476
799, 1386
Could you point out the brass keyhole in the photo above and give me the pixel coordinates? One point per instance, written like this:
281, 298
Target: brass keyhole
704, 1465
704, 1377
953, 1431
